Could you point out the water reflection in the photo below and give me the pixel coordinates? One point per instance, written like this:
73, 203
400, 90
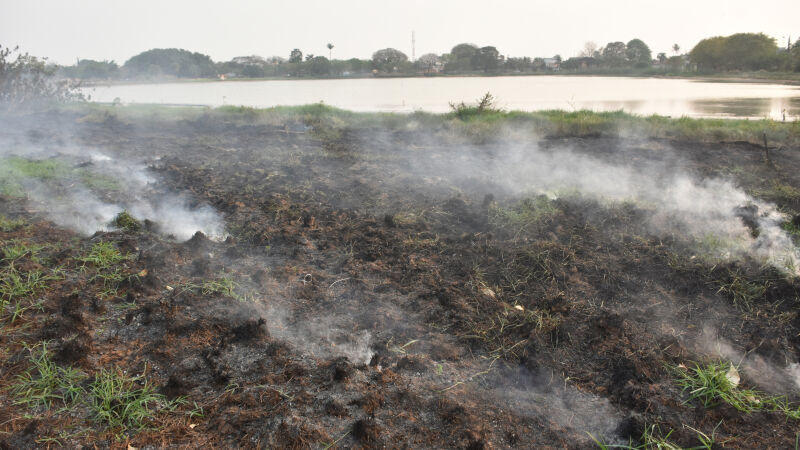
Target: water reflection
645, 96
752, 108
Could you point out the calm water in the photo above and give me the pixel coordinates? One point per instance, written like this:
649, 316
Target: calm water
668, 97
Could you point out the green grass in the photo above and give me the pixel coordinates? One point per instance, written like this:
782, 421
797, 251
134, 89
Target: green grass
102, 255
16, 287
224, 286
107, 262
127, 222
115, 400
122, 402
717, 382
45, 382
15, 170
779, 192
8, 225
653, 438
17, 249
481, 125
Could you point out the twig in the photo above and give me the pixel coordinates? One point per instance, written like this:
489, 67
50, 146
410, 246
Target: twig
337, 281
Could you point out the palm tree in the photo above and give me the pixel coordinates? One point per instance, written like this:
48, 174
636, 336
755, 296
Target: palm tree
676, 48
330, 48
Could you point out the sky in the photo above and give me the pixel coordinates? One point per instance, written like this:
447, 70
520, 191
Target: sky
64, 31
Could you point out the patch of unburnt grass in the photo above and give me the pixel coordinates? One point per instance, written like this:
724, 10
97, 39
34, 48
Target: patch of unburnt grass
18, 291
224, 285
46, 383
712, 383
116, 401
106, 263
9, 225
15, 170
653, 437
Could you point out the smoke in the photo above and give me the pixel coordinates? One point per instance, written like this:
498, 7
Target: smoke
762, 372
321, 336
715, 213
547, 396
87, 189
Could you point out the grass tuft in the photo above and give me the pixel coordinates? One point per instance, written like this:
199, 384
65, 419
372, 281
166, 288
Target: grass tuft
8, 225
46, 382
126, 222
716, 382
106, 260
123, 402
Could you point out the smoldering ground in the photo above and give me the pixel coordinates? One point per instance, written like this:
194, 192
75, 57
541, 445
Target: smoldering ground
84, 189
386, 299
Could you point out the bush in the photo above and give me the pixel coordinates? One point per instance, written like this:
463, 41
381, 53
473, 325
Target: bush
27, 81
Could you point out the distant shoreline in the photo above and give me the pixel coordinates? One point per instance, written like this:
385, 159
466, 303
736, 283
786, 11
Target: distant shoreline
790, 79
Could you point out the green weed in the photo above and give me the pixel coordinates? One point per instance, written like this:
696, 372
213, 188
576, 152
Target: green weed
653, 438
15, 170
222, 286
123, 402
15, 286
716, 382
18, 249
106, 261
47, 382
780, 192
102, 255
126, 222
8, 225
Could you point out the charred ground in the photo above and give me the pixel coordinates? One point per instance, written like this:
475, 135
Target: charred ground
371, 295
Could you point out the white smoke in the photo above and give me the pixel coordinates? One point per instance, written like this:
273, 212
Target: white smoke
134, 188
680, 204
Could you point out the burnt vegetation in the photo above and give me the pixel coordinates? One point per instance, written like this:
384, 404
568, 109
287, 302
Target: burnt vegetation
369, 293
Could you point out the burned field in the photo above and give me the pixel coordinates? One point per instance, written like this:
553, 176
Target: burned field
313, 281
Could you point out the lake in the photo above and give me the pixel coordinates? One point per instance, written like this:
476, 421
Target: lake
669, 97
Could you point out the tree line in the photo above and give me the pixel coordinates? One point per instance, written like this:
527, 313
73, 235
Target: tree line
738, 52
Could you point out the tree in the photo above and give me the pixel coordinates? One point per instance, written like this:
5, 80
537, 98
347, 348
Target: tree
330, 50
87, 69
708, 53
750, 51
320, 65
638, 53
309, 57
463, 58
428, 62
170, 62
27, 82
676, 48
388, 59
486, 59
741, 51
614, 54
296, 56
795, 56
590, 50
464, 51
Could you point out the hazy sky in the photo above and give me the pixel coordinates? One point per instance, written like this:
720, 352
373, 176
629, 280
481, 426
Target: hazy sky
116, 30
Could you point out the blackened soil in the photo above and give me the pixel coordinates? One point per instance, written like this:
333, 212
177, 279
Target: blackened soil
378, 305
